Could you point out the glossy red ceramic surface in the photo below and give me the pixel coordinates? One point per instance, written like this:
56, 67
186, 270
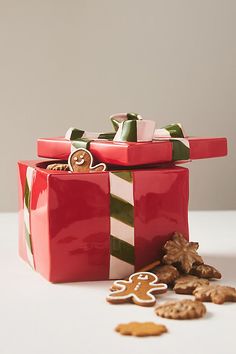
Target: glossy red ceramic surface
79, 225
70, 219
161, 208
21, 226
134, 154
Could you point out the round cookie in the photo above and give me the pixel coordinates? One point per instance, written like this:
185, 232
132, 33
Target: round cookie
181, 310
58, 167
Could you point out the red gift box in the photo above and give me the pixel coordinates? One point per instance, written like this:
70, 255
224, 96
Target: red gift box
133, 153
97, 226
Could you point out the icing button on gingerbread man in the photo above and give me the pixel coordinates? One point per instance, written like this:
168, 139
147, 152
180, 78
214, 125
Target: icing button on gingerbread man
139, 289
81, 160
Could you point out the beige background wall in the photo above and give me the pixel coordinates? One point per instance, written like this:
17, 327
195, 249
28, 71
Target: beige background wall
73, 63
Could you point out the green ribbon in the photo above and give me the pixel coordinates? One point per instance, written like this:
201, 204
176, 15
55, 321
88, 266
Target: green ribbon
122, 250
131, 127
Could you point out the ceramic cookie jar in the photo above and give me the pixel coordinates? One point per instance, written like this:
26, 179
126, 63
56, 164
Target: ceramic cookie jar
99, 206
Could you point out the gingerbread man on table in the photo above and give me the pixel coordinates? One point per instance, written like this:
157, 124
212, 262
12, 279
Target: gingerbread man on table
139, 289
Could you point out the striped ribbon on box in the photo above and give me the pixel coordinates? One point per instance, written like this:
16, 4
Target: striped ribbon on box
122, 257
132, 127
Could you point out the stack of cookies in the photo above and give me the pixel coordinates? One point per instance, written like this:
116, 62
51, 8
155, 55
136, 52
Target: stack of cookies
182, 270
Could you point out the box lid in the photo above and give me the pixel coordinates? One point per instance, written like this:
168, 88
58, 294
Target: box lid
134, 153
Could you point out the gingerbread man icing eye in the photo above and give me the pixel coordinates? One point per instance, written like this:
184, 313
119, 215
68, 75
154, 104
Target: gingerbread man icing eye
143, 277
81, 160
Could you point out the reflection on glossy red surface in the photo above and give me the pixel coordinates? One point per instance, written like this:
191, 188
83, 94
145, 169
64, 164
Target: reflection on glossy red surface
70, 220
79, 226
161, 208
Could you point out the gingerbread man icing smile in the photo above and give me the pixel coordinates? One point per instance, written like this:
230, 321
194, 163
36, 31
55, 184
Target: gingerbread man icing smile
81, 160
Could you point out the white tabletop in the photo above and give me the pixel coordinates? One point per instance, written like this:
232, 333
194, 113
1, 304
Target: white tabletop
42, 318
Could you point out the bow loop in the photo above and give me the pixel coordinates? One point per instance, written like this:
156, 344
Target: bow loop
131, 127
119, 118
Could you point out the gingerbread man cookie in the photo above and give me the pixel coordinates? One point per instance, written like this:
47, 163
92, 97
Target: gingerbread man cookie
81, 160
139, 289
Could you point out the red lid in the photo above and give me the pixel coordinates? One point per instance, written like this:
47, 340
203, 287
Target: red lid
134, 153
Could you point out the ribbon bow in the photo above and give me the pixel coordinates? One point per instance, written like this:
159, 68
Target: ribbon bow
131, 127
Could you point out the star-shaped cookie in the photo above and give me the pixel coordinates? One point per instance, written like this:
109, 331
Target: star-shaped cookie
180, 252
188, 283
141, 329
215, 293
205, 271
